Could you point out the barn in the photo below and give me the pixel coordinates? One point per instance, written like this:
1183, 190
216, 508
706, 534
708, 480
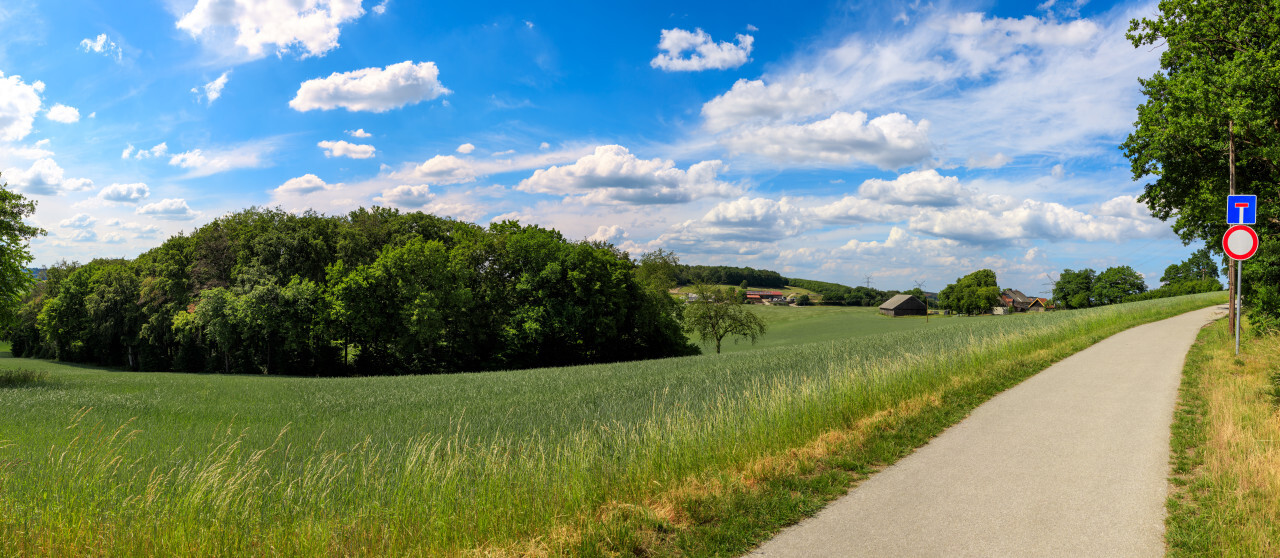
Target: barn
903, 305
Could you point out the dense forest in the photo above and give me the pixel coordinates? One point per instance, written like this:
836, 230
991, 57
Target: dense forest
373, 292
726, 275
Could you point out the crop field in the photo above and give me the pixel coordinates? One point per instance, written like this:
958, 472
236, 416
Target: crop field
518, 462
790, 326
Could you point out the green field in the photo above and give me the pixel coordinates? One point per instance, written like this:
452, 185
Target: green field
531, 461
800, 325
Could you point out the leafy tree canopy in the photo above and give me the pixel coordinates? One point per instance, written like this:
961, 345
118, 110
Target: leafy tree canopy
974, 293
718, 312
15, 253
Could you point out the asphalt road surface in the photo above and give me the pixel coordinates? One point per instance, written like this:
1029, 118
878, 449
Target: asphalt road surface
1072, 462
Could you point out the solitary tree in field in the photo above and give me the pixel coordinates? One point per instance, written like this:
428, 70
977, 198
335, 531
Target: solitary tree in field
974, 293
718, 313
14, 251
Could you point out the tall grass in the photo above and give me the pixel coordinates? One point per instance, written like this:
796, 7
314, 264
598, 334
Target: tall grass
125, 463
1226, 443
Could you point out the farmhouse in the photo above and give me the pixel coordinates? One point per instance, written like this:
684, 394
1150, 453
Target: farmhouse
903, 305
765, 296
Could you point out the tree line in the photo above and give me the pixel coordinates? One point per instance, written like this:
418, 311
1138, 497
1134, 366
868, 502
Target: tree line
727, 275
835, 294
375, 291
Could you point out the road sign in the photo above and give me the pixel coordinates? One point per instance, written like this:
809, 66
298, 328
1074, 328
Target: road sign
1240, 242
1242, 210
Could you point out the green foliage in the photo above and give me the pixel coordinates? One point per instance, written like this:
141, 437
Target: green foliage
1178, 289
375, 292
1199, 267
975, 293
15, 234
719, 312
836, 294
1117, 283
1217, 92
727, 275
803, 300
1074, 289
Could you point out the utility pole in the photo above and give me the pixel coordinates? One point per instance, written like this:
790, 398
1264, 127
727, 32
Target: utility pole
920, 285
868, 281
1232, 271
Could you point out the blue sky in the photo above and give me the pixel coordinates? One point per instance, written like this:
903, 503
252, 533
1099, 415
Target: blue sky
904, 141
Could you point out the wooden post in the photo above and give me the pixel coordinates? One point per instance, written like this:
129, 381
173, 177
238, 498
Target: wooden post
1232, 274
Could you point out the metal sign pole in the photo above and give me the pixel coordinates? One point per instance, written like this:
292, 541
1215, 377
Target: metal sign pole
1239, 266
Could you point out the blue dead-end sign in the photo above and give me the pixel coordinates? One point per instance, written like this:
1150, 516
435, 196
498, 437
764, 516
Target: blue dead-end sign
1242, 210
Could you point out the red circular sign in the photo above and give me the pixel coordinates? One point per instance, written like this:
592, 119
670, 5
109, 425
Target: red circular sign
1240, 242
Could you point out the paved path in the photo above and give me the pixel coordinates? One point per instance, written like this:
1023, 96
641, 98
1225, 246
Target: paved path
1071, 462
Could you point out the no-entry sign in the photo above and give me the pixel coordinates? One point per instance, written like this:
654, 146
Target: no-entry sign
1240, 242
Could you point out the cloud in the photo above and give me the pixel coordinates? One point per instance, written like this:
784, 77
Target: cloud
441, 169
1014, 86
32, 152
993, 162
704, 53
925, 187
371, 89
139, 230
44, 177
342, 148
125, 193
1124, 206
84, 235
102, 45
754, 101
312, 25
359, 133
381, 8
80, 221
466, 148
405, 195
170, 209
63, 113
890, 141
204, 162
611, 234
19, 103
213, 89
612, 175
159, 150
1033, 219
305, 184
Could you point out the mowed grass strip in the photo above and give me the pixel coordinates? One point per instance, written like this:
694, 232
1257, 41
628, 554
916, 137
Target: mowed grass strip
630, 458
1225, 486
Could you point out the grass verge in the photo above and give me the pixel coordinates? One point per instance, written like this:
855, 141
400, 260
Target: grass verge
1225, 482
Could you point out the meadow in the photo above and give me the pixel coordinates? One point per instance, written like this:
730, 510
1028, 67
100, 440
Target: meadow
790, 325
556, 461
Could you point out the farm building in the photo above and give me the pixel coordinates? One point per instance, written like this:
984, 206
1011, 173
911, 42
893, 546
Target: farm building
903, 305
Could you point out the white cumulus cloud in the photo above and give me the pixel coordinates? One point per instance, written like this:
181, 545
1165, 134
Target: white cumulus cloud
925, 187
360, 133
612, 175
125, 193
44, 177
610, 233
169, 209
890, 141
305, 184
466, 148
19, 103
371, 89
441, 169
343, 148
753, 101
63, 113
311, 25
703, 52
406, 195
79, 221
